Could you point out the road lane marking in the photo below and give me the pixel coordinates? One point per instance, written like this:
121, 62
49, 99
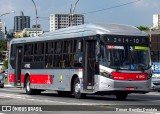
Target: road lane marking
24, 97
60, 102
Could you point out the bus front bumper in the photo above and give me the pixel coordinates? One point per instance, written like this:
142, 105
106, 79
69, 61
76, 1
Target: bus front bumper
103, 84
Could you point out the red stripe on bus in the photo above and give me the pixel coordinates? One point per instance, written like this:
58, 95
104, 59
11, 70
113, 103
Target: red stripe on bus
129, 76
11, 77
40, 79
34, 78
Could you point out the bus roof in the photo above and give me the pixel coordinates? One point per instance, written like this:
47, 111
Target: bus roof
85, 30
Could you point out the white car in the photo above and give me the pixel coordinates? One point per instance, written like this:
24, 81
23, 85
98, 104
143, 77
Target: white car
1, 81
156, 82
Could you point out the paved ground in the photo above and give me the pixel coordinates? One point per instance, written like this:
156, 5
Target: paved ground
135, 103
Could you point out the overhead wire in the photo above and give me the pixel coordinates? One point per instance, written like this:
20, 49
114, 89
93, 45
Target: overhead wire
109, 8
112, 7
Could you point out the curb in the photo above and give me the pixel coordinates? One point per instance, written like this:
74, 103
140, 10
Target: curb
8, 85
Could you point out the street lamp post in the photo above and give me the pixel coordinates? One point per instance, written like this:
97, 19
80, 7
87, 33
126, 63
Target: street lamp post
36, 16
72, 10
6, 13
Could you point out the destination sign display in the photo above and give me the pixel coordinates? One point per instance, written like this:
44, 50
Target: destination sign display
125, 40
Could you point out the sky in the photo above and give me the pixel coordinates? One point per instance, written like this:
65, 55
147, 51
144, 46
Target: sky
139, 13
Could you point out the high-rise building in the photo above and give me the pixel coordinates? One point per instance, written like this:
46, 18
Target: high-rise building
156, 21
58, 21
2, 30
21, 22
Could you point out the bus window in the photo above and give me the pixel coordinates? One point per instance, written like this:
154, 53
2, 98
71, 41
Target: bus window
39, 48
13, 53
49, 61
67, 54
57, 54
28, 53
78, 53
59, 48
75, 46
49, 48
28, 49
38, 52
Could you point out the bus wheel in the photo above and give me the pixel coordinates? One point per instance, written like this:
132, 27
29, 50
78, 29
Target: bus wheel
121, 96
76, 89
28, 89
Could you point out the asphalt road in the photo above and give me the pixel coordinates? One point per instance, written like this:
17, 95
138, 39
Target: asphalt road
51, 102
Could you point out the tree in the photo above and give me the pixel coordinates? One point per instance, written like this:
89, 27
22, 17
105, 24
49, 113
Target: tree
1, 56
5, 64
25, 35
10, 36
143, 28
3, 45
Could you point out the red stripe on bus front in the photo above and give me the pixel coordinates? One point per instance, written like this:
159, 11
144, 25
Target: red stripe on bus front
34, 78
129, 76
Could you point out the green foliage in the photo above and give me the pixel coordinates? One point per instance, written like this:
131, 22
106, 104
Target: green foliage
1, 56
10, 36
142, 28
5, 64
3, 45
6, 81
25, 35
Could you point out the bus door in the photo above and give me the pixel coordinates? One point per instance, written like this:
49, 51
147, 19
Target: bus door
89, 67
18, 62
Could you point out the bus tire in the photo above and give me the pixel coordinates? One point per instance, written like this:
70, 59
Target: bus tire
28, 89
121, 96
76, 89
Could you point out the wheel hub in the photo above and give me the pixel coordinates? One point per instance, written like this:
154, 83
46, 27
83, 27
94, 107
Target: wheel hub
28, 86
77, 87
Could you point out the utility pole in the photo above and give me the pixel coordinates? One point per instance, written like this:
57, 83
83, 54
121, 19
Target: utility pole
72, 10
36, 16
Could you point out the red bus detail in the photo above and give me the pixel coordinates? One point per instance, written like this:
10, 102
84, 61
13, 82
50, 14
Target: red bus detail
34, 78
11, 77
129, 76
40, 79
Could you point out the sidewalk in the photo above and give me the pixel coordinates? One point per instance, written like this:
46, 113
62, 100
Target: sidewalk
7, 85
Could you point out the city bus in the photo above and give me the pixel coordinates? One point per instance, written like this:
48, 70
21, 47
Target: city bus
95, 59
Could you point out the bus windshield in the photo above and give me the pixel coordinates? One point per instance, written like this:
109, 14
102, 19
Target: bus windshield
125, 57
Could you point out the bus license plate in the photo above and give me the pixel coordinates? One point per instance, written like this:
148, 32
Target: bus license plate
130, 88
